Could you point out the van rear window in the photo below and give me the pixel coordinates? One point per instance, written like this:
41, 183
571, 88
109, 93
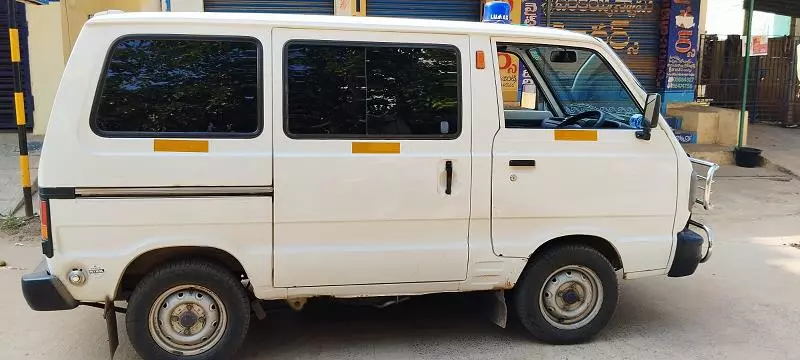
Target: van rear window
358, 90
180, 87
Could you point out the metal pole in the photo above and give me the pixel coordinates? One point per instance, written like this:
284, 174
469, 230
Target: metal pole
19, 107
748, 29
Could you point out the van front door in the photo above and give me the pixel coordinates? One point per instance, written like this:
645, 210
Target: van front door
372, 158
581, 170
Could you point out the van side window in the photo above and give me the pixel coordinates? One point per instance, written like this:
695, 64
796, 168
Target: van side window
180, 87
524, 104
358, 90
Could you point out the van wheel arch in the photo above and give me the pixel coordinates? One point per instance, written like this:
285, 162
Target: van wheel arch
148, 261
603, 246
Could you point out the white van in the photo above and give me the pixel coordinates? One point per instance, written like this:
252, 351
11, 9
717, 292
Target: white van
197, 163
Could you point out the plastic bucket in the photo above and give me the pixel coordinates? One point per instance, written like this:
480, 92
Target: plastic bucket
747, 157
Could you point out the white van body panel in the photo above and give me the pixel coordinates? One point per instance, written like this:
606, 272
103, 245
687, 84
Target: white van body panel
120, 230
478, 239
347, 219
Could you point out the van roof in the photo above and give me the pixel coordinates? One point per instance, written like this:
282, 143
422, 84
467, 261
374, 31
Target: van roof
338, 22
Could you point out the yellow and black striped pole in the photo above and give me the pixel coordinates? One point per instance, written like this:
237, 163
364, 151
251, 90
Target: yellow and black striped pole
19, 108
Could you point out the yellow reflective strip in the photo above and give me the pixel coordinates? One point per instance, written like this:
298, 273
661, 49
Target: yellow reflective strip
19, 108
13, 35
25, 171
376, 148
575, 135
166, 145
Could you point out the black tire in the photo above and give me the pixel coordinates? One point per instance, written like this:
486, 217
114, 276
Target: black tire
227, 288
542, 269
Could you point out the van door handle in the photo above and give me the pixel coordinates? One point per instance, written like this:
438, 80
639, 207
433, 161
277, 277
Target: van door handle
448, 169
522, 163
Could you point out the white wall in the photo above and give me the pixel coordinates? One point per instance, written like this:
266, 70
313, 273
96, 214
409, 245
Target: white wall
726, 17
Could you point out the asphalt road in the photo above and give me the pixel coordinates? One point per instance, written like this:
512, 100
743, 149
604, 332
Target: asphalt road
743, 304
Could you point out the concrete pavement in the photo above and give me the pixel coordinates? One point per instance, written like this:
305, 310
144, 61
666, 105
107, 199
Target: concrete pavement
740, 305
10, 188
781, 145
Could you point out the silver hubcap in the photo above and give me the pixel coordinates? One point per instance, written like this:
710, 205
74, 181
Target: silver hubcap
187, 320
571, 297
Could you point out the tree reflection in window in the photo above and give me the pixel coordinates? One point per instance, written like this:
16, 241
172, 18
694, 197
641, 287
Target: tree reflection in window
372, 90
169, 86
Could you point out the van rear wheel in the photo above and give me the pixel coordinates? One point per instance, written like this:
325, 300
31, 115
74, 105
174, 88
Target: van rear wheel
567, 295
188, 310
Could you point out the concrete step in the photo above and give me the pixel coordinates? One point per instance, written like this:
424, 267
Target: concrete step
720, 154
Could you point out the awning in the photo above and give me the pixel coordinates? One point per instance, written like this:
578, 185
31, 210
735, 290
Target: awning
780, 7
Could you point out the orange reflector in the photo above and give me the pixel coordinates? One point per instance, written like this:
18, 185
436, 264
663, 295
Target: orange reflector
166, 145
376, 148
43, 217
480, 60
575, 135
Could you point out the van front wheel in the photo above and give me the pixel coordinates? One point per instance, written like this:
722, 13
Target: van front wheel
188, 310
566, 295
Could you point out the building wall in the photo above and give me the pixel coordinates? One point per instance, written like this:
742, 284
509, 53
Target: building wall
53, 31
47, 59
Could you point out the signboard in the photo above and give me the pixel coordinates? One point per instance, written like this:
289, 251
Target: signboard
759, 46
678, 64
630, 27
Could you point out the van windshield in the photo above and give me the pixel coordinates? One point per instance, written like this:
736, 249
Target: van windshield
582, 81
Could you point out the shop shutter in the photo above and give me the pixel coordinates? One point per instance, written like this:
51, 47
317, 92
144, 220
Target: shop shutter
632, 30
7, 115
319, 7
464, 10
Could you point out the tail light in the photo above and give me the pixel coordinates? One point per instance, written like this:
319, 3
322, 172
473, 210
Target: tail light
47, 240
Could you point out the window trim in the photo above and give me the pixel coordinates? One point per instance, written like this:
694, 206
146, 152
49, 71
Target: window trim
594, 52
285, 90
192, 135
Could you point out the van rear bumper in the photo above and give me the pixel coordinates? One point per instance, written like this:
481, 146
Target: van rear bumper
45, 292
689, 250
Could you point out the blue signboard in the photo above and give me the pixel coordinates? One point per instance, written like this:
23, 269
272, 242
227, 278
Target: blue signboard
497, 12
678, 61
532, 15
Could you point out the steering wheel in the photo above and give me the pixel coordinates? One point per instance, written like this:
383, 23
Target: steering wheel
572, 120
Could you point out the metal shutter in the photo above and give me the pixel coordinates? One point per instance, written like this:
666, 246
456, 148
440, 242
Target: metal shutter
636, 36
464, 10
7, 114
321, 7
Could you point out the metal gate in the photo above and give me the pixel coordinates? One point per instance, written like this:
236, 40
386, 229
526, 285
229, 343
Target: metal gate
774, 85
463, 10
319, 7
7, 114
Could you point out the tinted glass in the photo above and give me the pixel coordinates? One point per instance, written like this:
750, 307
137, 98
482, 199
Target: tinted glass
341, 90
166, 86
585, 84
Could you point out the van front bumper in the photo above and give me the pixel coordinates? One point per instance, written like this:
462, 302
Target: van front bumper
45, 292
689, 250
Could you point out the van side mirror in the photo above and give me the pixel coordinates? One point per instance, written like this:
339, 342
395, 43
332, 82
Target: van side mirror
652, 113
